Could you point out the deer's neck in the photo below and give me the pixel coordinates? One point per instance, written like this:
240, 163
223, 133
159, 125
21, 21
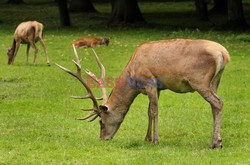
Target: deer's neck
122, 97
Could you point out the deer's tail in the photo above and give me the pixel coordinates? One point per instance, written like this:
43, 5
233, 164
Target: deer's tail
222, 59
226, 56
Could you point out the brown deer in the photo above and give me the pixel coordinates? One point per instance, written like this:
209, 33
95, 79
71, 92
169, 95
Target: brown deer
179, 65
90, 42
27, 33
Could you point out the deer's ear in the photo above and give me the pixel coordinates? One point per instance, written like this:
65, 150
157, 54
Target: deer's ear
103, 108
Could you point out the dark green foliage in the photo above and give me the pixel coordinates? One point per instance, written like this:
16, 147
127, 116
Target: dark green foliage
201, 9
220, 6
81, 6
125, 11
15, 1
64, 14
236, 18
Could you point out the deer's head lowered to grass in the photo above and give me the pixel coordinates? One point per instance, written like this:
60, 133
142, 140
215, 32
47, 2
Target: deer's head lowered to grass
179, 65
10, 53
108, 122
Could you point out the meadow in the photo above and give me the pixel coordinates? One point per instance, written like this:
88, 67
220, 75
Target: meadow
37, 117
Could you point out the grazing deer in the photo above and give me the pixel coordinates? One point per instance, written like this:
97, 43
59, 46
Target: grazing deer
179, 65
90, 42
27, 33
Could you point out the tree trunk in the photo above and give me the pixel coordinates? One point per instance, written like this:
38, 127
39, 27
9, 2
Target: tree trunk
236, 17
81, 6
220, 6
201, 9
64, 13
15, 1
125, 11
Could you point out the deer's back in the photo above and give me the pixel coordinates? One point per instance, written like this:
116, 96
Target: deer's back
176, 61
30, 28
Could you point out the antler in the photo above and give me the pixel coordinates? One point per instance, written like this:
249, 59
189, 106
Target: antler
95, 110
100, 80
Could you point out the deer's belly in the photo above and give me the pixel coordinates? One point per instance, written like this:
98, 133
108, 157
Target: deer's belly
25, 40
177, 85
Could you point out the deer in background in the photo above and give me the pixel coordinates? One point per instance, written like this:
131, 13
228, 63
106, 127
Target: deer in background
27, 33
182, 66
90, 42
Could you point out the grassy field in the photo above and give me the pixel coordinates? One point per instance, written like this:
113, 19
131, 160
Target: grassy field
37, 117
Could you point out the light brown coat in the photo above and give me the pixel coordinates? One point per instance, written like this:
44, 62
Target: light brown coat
27, 33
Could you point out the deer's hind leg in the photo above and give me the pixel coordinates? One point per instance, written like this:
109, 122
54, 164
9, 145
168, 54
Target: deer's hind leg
217, 112
216, 105
44, 49
208, 92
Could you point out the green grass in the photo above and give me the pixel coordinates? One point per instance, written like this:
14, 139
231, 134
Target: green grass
37, 117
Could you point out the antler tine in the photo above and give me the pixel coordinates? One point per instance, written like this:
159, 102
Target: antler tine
80, 97
87, 117
91, 116
76, 54
92, 75
103, 74
84, 97
87, 109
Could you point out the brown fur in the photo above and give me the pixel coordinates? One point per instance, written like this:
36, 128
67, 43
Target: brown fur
27, 33
183, 66
87, 42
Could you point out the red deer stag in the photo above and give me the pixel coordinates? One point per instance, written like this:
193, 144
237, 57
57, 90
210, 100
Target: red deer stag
179, 65
27, 33
90, 42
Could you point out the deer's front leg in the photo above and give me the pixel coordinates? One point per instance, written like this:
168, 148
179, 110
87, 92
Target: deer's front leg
153, 113
155, 122
149, 132
15, 51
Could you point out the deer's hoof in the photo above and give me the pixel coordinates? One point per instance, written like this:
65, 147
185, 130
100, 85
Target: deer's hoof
48, 64
216, 145
156, 141
148, 139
